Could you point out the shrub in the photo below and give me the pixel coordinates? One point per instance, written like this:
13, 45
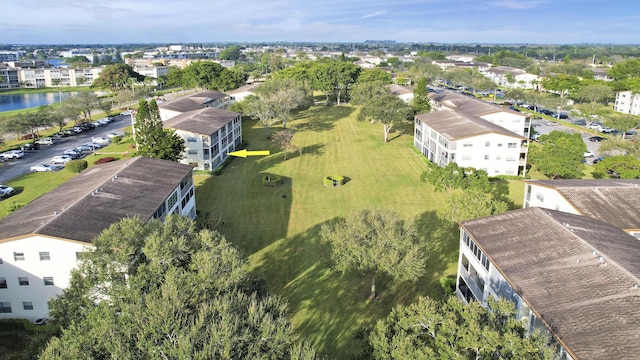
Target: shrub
271, 180
76, 166
116, 139
333, 180
104, 160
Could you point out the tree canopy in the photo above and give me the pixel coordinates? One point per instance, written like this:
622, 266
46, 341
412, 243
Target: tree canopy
429, 329
617, 167
116, 77
169, 291
375, 242
151, 138
561, 156
379, 105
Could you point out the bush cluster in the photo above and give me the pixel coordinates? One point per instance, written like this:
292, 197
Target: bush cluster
76, 166
333, 180
271, 180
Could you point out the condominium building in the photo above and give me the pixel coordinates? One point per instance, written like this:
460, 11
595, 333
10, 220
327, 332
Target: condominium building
627, 102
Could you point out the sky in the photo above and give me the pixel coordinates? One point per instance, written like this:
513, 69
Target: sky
415, 21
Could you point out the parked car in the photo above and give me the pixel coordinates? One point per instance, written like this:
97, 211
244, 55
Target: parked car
6, 191
552, 123
30, 146
77, 130
589, 154
563, 117
97, 123
111, 135
535, 137
86, 148
86, 126
73, 153
101, 140
595, 126
12, 154
598, 159
45, 141
597, 138
613, 174
126, 113
607, 130
44, 168
61, 159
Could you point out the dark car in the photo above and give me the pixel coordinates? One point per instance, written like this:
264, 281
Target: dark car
598, 159
29, 146
597, 138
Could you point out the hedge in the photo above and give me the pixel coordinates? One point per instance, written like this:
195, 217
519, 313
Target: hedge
76, 166
333, 180
271, 180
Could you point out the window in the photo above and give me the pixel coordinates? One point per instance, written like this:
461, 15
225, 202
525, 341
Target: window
3, 283
486, 157
499, 144
512, 145
467, 144
192, 152
191, 139
5, 307
173, 199
24, 281
498, 157
487, 144
465, 262
466, 157
17, 256
44, 255
27, 305
48, 280
540, 197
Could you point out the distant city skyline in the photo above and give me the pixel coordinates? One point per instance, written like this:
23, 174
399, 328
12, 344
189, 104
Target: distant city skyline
419, 21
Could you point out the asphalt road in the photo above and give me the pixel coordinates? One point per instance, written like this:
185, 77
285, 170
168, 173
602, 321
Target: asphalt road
17, 167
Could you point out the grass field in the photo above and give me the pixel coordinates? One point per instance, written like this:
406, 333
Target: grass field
278, 227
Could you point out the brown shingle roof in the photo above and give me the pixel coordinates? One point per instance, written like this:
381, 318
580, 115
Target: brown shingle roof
399, 90
613, 201
203, 121
192, 102
553, 261
455, 125
467, 105
90, 202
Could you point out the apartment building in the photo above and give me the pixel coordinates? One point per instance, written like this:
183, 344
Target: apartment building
512, 78
53, 77
572, 276
627, 102
43, 241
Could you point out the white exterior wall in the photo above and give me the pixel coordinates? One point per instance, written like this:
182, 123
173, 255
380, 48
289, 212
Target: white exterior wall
627, 102
166, 114
547, 198
495, 153
37, 78
62, 260
519, 124
208, 152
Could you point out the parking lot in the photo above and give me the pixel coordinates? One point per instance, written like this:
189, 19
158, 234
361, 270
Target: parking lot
15, 167
546, 126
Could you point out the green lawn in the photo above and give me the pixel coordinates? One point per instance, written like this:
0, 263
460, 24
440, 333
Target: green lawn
278, 228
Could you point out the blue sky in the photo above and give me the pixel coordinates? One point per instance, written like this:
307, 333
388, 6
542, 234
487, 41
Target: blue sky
439, 21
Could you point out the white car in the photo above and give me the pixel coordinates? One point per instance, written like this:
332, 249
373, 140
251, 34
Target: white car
61, 159
12, 154
6, 190
44, 168
126, 113
589, 154
100, 140
111, 135
45, 141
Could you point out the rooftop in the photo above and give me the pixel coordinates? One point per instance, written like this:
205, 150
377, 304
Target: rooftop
203, 121
98, 197
192, 102
579, 275
454, 125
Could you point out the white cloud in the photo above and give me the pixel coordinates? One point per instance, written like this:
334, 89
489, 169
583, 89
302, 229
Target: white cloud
377, 13
517, 4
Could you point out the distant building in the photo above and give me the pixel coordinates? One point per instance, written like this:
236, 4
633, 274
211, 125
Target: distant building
52, 77
627, 102
404, 93
511, 77
10, 78
151, 71
242, 92
6, 56
43, 241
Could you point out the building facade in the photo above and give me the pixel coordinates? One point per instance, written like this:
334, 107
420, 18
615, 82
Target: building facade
53, 77
43, 241
627, 102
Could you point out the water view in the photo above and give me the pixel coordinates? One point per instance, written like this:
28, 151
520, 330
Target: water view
23, 101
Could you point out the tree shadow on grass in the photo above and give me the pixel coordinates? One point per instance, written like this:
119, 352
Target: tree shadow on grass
322, 118
501, 192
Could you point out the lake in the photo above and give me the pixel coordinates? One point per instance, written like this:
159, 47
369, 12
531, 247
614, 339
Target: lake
23, 101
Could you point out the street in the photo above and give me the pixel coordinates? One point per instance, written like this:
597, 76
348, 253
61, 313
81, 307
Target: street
15, 168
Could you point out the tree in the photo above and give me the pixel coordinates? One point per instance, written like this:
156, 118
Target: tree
229, 79
283, 140
594, 93
374, 242
452, 176
627, 69
151, 139
470, 204
85, 102
261, 110
617, 167
167, 290
561, 156
429, 329
283, 96
116, 77
421, 102
380, 106
368, 75
230, 53
201, 74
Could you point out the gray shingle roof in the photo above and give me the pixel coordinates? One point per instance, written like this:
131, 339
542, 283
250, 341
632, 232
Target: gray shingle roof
203, 121
90, 202
553, 261
455, 125
467, 105
613, 201
192, 102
